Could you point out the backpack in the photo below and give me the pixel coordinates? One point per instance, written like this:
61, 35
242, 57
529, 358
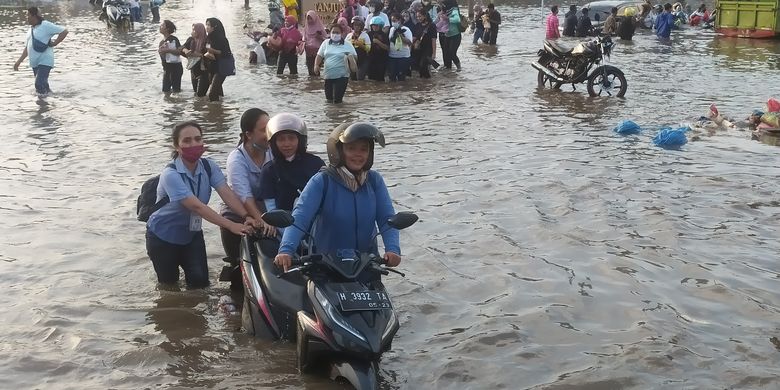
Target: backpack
146, 204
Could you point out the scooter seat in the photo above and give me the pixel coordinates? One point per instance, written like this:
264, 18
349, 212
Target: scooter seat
287, 292
555, 48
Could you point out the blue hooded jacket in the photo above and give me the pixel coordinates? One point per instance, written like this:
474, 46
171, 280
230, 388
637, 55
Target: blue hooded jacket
346, 219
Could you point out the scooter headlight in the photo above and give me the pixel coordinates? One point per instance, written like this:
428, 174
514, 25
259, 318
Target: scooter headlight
334, 314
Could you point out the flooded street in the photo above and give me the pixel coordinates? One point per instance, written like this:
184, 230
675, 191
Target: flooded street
551, 253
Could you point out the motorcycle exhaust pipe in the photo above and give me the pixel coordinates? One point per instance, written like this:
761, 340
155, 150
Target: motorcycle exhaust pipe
546, 71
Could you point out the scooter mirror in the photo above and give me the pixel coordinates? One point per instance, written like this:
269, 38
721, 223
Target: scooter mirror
402, 220
278, 218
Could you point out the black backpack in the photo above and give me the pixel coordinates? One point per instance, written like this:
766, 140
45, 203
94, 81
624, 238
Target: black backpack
146, 204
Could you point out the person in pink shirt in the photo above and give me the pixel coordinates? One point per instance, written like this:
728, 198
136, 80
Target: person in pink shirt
292, 45
552, 24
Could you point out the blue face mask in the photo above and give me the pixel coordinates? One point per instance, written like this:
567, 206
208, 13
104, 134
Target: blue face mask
259, 147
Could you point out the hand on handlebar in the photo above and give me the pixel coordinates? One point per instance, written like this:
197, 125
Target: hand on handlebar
392, 259
283, 261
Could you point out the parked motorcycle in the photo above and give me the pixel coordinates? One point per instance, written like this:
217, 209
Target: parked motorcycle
116, 13
333, 305
558, 65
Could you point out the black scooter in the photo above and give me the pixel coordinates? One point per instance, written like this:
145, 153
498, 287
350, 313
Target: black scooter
335, 306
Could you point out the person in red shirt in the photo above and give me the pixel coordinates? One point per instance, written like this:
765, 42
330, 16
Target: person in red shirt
552, 24
292, 43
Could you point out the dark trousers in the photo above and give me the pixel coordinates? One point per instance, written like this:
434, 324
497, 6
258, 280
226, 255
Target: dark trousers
397, 68
41, 73
215, 90
285, 59
167, 258
491, 35
172, 76
135, 14
424, 62
200, 81
155, 14
335, 89
310, 63
449, 50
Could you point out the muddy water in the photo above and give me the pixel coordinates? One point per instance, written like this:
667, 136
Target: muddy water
551, 253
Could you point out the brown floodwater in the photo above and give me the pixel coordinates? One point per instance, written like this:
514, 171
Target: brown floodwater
551, 253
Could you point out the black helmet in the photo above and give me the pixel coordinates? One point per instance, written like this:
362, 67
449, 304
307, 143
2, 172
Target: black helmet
286, 122
345, 134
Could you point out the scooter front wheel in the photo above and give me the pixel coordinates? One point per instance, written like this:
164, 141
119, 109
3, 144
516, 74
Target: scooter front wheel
362, 375
607, 81
302, 350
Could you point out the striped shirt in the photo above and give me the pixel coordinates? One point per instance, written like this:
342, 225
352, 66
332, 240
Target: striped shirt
552, 27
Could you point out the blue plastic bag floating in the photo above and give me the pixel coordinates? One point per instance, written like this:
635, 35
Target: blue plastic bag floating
671, 138
627, 127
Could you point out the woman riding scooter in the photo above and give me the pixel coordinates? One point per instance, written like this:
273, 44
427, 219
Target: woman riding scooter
347, 201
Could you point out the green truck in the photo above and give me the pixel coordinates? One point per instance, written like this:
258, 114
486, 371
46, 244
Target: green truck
748, 19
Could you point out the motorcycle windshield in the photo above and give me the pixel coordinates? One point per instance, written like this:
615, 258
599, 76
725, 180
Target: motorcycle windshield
348, 263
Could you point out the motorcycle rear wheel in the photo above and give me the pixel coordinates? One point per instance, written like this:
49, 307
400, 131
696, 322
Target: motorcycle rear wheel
545, 81
609, 81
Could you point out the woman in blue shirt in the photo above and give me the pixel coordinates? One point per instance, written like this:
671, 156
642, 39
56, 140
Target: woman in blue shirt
333, 54
173, 234
244, 164
346, 202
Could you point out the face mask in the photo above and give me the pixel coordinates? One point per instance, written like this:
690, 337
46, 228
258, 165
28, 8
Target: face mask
287, 25
335, 37
396, 25
192, 153
259, 147
371, 9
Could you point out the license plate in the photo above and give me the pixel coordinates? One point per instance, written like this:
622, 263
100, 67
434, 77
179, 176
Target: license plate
364, 300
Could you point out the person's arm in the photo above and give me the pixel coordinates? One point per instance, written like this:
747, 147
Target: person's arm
381, 44
232, 201
406, 36
173, 184
194, 205
21, 58
317, 64
60, 37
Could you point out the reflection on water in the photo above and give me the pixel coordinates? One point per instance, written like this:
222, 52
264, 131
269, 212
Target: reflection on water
551, 252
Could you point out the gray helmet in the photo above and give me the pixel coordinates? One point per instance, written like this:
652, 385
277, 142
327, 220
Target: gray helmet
344, 134
286, 122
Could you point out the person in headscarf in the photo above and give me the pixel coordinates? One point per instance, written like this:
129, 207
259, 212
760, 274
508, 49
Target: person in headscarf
217, 46
275, 15
291, 38
313, 34
348, 10
380, 45
344, 24
193, 49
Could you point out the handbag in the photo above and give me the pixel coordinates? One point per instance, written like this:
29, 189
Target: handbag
192, 62
226, 65
351, 63
37, 45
